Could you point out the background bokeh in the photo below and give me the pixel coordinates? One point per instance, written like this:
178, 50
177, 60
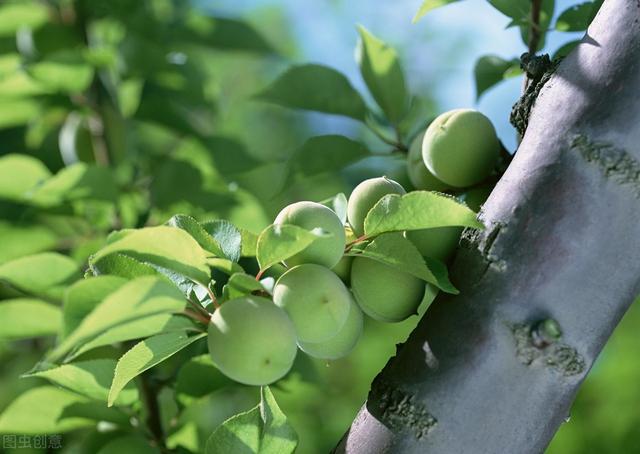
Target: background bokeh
200, 143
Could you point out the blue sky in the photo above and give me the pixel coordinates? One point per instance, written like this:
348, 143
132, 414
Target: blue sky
438, 53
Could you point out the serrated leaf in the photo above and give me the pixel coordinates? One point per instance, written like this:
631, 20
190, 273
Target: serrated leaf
89, 378
197, 231
490, 70
277, 434
318, 88
139, 298
18, 174
428, 5
123, 266
167, 247
23, 318
20, 240
277, 243
42, 411
227, 235
238, 434
15, 15
576, 18
145, 355
83, 296
263, 429
45, 274
137, 329
382, 72
418, 210
329, 153
396, 251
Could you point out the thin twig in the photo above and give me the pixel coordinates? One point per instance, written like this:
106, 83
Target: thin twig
534, 26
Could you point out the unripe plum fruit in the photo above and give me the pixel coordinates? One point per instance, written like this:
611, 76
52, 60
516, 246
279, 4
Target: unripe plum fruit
460, 147
438, 243
365, 196
315, 299
343, 268
252, 341
383, 292
475, 198
311, 215
343, 342
419, 175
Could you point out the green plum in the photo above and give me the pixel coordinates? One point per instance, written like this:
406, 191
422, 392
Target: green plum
311, 215
252, 341
315, 299
419, 175
343, 342
383, 292
460, 147
439, 243
475, 198
365, 196
343, 268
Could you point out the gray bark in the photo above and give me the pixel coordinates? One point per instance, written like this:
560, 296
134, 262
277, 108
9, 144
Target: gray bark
481, 374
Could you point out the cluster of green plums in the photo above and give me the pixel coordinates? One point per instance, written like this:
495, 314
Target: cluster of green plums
318, 304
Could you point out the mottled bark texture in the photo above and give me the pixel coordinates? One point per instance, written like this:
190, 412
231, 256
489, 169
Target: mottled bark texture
488, 371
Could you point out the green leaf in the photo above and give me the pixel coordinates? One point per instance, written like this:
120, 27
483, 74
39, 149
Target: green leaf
89, 378
225, 33
77, 182
330, 153
241, 284
428, 5
277, 243
43, 410
197, 378
263, 429
17, 112
491, 69
128, 444
517, 10
168, 247
139, 298
316, 87
197, 231
123, 266
277, 434
418, 210
577, 17
45, 274
381, 70
398, 252
24, 318
66, 71
227, 236
145, 355
20, 240
83, 296
15, 15
137, 329
20, 173
338, 204
565, 49
239, 434
249, 243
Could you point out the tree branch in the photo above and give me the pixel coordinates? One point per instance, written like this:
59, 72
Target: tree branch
478, 374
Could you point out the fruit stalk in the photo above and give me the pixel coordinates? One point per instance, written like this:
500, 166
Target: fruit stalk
558, 246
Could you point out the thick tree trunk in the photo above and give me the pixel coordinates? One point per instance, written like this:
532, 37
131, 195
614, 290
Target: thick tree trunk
483, 372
